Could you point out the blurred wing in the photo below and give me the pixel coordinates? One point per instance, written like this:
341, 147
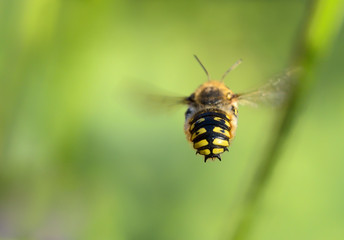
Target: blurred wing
150, 98
162, 101
273, 93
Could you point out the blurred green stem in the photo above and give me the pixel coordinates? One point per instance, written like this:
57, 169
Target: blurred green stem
322, 23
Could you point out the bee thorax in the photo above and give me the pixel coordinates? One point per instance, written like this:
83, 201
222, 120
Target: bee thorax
210, 95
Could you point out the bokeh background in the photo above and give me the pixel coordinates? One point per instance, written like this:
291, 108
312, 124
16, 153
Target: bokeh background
82, 157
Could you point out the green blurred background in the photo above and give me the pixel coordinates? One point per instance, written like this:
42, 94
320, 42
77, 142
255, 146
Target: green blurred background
82, 159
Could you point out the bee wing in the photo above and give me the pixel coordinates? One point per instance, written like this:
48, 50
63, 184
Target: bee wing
163, 101
273, 93
151, 98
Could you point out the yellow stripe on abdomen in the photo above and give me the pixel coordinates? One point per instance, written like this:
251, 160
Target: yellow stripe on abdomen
201, 143
222, 131
199, 132
221, 142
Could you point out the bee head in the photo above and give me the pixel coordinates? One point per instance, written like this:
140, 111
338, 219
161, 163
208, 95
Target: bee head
212, 93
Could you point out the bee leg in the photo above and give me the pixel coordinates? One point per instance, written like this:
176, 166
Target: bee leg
218, 157
226, 149
206, 158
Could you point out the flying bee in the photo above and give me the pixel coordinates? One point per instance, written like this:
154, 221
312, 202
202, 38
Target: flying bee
211, 118
212, 115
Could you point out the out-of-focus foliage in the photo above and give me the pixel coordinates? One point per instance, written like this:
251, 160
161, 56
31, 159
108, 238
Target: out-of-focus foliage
82, 158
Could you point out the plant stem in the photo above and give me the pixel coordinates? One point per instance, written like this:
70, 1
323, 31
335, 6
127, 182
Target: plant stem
322, 22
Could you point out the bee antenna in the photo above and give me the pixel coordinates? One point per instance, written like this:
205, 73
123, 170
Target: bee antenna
205, 70
231, 68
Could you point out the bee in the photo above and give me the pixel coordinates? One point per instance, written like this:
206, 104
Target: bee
211, 118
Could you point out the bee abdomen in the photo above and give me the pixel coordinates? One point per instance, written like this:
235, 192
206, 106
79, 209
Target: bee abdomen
210, 133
